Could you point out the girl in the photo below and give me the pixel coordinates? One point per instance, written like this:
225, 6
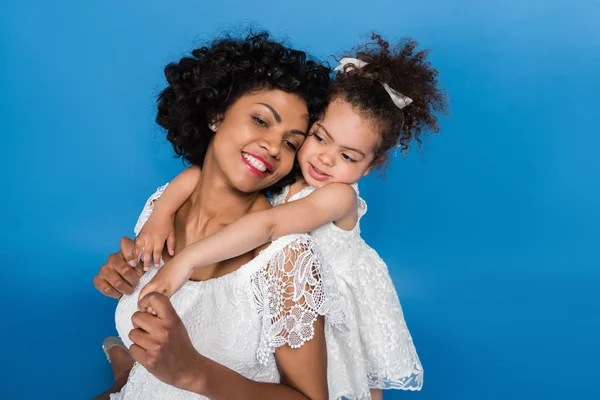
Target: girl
382, 98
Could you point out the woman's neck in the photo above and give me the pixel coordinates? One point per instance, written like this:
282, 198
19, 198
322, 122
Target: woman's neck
214, 199
214, 203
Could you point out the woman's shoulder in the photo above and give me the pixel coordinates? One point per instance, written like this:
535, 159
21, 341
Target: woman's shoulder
148, 208
261, 203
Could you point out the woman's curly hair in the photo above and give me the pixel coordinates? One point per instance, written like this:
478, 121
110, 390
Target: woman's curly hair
206, 84
405, 70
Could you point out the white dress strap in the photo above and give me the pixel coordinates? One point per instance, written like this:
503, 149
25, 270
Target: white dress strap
362, 205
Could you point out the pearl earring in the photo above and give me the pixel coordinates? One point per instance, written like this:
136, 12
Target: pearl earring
213, 127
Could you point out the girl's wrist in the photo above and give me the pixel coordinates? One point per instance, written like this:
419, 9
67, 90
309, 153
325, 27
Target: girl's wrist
162, 214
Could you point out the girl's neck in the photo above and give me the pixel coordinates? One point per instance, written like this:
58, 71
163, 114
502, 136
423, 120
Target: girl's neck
296, 187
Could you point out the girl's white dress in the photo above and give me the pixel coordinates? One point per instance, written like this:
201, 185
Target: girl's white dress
240, 319
377, 350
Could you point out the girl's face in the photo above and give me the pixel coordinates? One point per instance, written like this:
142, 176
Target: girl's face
340, 147
257, 138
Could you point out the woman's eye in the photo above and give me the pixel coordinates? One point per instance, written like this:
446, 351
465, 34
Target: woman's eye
291, 145
347, 157
260, 121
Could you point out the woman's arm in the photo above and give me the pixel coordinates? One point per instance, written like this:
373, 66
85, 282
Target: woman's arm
294, 295
159, 227
163, 347
117, 277
303, 374
329, 203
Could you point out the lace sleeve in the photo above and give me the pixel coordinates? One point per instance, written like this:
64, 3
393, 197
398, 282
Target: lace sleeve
291, 292
148, 208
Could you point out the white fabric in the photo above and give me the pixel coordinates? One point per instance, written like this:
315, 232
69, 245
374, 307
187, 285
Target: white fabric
240, 319
377, 351
398, 98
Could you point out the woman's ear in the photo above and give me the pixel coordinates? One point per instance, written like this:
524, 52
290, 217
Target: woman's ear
215, 122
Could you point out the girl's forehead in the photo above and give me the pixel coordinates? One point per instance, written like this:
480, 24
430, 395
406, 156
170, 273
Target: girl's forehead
348, 127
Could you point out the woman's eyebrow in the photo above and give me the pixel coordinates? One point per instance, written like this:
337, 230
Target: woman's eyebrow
299, 132
278, 119
275, 113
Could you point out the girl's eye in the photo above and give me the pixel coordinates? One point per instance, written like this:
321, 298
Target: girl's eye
347, 157
260, 122
318, 138
291, 145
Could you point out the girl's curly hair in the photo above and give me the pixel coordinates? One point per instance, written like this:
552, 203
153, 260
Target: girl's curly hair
407, 71
206, 84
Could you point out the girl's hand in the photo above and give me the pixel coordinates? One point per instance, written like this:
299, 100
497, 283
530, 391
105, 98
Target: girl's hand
168, 280
151, 241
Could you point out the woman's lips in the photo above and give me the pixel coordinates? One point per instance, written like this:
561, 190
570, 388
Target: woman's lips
261, 160
256, 164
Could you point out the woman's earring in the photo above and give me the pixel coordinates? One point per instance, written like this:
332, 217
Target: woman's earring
213, 127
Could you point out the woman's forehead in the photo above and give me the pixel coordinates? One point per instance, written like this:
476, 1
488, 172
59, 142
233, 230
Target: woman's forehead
282, 105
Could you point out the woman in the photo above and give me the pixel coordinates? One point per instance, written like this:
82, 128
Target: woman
250, 326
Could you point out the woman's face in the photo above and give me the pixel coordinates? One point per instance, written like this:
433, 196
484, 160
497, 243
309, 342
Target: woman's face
257, 139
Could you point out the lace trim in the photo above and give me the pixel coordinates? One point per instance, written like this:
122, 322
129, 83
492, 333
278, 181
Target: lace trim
148, 208
412, 382
290, 293
362, 205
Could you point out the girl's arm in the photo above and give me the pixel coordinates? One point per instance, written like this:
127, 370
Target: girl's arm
329, 203
159, 227
178, 191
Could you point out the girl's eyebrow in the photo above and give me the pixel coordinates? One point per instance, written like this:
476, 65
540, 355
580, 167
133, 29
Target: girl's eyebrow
345, 147
324, 130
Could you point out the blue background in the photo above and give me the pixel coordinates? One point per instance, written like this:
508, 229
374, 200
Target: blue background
491, 233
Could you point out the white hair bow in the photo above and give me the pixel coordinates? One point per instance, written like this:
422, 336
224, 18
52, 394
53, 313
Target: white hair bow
398, 98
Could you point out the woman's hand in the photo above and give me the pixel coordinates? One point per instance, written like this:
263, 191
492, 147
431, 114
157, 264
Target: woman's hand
162, 345
117, 277
169, 279
150, 242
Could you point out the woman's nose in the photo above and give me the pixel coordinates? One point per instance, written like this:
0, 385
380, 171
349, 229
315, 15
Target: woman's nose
272, 146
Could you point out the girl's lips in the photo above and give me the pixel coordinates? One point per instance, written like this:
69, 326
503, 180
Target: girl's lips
316, 174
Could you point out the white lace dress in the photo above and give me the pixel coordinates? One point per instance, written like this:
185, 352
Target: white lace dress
377, 350
239, 319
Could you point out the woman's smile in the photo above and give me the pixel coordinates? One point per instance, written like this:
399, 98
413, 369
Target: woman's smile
256, 164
